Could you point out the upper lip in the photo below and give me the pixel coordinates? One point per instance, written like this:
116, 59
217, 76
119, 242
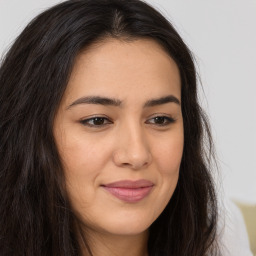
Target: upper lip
129, 184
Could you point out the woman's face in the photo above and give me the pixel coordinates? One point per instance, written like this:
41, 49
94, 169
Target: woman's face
119, 132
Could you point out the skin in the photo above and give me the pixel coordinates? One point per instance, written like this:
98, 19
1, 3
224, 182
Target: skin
129, 143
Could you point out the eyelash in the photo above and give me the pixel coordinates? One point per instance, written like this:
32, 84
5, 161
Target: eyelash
85, 122
165, 121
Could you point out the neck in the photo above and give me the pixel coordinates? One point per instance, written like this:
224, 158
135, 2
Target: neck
102, 244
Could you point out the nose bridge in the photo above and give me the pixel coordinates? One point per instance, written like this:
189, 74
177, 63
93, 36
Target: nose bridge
132, 146
135, 136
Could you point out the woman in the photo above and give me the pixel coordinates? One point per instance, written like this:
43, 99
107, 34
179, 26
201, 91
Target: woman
102, 138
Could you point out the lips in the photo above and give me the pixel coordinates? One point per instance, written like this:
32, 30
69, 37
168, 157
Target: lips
129, 191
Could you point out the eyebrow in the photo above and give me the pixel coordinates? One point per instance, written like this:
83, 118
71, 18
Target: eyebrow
96, 100
117, 103
162, 100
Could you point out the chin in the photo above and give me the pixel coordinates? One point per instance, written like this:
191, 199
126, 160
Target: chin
127, 229
128, 225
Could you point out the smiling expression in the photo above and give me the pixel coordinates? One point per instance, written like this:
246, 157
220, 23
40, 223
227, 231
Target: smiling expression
119, 132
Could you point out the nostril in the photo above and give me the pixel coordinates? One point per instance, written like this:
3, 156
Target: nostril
132, 158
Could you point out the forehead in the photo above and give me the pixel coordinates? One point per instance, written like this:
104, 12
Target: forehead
118, 69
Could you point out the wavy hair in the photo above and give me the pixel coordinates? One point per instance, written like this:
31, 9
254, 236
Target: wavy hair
36, 216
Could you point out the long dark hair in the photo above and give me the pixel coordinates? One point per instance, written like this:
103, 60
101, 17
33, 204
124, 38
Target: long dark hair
35, 214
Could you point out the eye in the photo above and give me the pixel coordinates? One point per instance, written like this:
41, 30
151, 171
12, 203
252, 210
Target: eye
161, 120
95, 121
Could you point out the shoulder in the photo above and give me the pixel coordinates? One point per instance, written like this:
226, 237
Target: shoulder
233, 237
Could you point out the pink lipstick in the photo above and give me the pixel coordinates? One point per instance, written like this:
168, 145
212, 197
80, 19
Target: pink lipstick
129, 191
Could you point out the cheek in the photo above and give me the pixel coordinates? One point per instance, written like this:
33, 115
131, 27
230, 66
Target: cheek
168, 154
168, 157
82, 165
81, 162
80, 154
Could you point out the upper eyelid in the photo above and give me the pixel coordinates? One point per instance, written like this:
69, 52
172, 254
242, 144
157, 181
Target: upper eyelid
88, 119
161, 115
95, 116
84, 121
108, 118
168, 118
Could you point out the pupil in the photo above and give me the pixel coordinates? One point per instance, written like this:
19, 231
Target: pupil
98, 121
159, 120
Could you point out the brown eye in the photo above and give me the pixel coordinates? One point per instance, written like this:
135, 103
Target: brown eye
98, 121
95, 121
161, 120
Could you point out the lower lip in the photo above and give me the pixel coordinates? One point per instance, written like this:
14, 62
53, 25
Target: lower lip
131, 195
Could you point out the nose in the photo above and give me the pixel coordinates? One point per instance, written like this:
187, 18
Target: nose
132, 149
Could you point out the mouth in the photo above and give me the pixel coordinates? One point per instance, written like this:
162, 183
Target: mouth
129, 191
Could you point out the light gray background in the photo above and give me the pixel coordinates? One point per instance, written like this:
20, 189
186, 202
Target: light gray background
222, 36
